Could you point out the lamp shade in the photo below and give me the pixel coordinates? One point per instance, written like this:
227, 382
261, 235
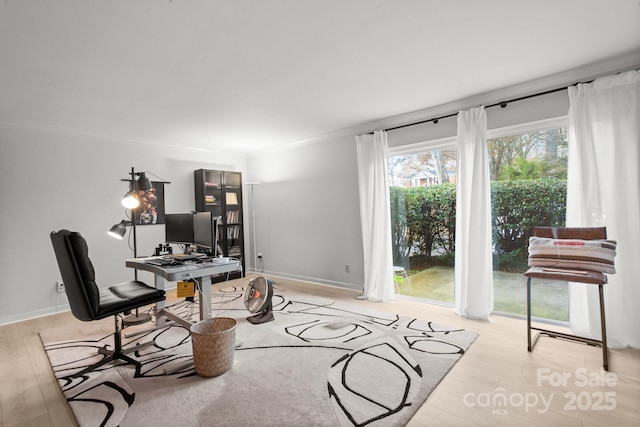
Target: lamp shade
118, 231
130, 200
144, 183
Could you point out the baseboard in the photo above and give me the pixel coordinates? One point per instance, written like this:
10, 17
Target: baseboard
313, 280
34, 314
170, 285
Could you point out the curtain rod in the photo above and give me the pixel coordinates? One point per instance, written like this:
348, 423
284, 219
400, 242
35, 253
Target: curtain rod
502, 104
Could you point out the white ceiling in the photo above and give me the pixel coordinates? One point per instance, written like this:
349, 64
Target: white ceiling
246, 75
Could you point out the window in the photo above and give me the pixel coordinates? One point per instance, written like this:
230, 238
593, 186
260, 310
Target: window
422, 191
528, 169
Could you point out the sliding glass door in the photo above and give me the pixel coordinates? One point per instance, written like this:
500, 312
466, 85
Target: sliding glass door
528, 188
423, 203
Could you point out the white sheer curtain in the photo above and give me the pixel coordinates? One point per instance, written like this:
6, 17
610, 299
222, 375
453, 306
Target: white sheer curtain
473, 262
603, 189
375, 216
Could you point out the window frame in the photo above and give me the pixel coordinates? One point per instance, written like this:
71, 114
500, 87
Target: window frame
539, 125
452, 141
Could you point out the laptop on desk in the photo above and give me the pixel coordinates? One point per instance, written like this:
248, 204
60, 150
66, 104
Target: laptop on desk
172, 260
161, 261
186, 257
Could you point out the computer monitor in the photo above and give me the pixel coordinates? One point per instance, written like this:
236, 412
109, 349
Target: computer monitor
205, 232
178, 228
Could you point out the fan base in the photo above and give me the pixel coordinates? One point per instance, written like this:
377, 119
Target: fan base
266, 316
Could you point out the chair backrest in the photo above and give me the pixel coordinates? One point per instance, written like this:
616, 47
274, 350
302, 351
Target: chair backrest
77, 273
582, 233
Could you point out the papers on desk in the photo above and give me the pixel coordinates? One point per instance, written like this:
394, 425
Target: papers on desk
186, 257
172, 261
159, 261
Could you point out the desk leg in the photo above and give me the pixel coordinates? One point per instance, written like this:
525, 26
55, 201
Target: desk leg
161, 320
205, 298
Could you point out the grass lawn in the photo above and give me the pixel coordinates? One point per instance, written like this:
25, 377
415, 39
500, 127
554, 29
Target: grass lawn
550, 300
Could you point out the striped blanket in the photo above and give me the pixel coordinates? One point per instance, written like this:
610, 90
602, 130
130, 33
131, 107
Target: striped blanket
596, 255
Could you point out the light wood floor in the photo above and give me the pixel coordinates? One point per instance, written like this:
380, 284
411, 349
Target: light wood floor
497, 364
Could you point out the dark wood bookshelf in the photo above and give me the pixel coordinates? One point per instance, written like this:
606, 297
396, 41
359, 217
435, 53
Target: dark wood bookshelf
220, 192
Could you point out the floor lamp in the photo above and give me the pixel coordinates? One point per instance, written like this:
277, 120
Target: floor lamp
137, 182
253, 224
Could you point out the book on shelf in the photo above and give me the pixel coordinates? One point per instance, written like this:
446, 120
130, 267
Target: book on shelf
233, 232
233, 217
232, 198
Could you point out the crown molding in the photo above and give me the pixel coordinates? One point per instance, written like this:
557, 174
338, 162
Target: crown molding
104, 138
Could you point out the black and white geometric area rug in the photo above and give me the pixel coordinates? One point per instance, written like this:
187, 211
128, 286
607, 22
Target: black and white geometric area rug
319, 363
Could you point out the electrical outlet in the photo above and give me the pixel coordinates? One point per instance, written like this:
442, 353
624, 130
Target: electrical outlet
60, 286
347, 268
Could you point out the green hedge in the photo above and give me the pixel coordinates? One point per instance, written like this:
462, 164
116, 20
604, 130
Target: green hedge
423, 218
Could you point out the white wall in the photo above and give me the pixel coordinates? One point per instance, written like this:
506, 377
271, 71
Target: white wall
307, 212
53, 181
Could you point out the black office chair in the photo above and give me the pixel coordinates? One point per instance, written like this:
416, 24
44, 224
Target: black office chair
89, 302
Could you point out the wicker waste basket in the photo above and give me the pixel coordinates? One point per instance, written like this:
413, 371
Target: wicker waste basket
213, 342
